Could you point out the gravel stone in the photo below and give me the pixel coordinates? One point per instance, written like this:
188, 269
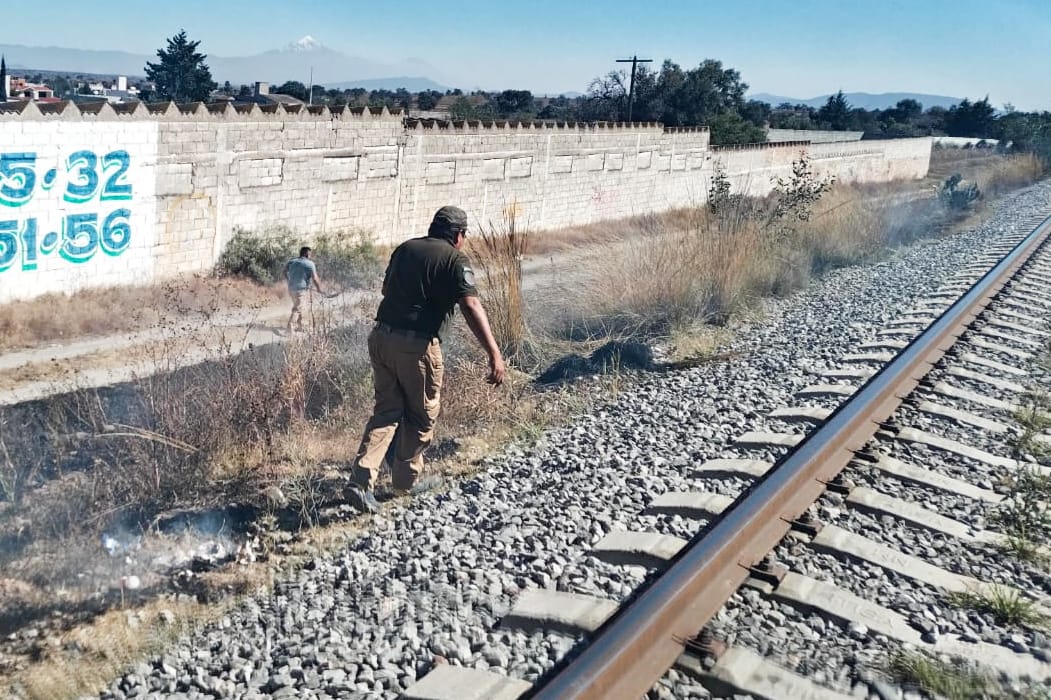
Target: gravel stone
428, 581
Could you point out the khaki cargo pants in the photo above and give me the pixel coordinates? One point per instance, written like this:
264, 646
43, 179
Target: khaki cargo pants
407, 373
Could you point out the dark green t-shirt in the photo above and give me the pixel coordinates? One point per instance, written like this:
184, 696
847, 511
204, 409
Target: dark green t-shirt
425, 279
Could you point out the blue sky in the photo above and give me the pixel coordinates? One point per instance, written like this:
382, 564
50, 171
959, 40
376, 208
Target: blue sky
802, 48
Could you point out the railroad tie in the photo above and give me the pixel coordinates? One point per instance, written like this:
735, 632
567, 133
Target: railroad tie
446, 682
1002, 384
821, 391
628, 548
544, 609
883, 344
716, 468
850, 374
973, 359
980, 342
846, 607
926, 477
741, 671
955, 392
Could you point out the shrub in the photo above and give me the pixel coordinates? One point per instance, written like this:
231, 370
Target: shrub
795, 197
259, 258
958, 195
346, 259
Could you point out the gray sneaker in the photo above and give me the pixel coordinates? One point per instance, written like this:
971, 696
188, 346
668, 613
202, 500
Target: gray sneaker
362, 500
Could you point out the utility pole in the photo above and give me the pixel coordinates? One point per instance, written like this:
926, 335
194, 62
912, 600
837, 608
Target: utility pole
634, 61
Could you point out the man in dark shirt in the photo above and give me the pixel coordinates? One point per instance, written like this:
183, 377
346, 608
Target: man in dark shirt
426, 279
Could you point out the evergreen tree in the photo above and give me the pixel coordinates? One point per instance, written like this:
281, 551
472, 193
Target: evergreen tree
3, 79
181, 74
292, 88
971, 119
836, 112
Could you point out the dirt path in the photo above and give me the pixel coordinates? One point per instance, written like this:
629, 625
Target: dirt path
36, 373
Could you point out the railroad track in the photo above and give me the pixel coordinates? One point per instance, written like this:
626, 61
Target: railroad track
464, 574
943, 378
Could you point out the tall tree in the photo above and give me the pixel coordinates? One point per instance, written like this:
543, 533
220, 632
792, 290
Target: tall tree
3, 79
181, 74
971, 119
836, 112
607, 98
515, 103
292, 88
428, 99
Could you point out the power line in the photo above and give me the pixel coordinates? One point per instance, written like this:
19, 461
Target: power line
634, 61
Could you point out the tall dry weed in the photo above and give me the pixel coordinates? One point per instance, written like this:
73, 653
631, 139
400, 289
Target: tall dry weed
667, 276
498, 253
844, 229
1011, 172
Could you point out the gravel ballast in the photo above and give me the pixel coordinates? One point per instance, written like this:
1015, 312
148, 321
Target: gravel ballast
432, 577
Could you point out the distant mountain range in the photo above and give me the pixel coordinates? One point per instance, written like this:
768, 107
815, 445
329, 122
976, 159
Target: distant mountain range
864, 100
295, 61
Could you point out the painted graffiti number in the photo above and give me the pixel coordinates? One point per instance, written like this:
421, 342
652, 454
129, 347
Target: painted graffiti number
82, 167
17, 178
83, 237
116, 187
8, 243
116, 232
84, 176
80, 235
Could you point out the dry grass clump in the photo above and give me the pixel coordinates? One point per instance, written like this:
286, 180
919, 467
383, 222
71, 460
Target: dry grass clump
574, 238
187, 436
846, 228
703, 265
498, 254
1010, 172
666, 277
64, 317
937, 678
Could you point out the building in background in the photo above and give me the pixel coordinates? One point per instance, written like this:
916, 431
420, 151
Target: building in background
261, 95
18, 89
115, 91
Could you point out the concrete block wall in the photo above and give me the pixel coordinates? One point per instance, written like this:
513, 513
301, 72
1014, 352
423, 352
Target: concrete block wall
551, 178
192, 175
755, 170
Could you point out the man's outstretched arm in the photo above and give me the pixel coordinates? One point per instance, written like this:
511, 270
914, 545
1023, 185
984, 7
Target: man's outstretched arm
478, 322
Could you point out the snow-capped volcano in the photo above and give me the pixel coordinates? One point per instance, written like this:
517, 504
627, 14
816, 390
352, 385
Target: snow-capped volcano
307, 43
303, 60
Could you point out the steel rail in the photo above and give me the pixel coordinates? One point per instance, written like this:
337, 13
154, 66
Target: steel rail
630, 653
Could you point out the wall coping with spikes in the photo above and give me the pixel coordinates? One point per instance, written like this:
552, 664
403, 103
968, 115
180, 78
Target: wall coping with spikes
230, 112
191, 112
762, 146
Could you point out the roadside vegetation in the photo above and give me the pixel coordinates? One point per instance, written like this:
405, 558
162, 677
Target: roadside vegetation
254, 440
935, 678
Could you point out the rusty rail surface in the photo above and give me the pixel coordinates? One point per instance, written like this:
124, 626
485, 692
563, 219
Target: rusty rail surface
631, 652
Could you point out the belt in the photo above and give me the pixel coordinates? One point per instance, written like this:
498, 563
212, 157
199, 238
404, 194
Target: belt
386, 328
